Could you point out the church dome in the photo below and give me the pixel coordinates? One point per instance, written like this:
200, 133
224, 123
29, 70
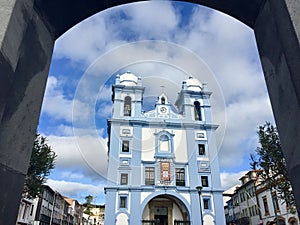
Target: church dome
128, 79
193, 84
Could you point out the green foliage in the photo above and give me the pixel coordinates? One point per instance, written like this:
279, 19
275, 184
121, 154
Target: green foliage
42, 161
88, 205
271, 165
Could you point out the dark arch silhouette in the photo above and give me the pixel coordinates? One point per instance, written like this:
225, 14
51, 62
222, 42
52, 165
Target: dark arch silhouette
29, 28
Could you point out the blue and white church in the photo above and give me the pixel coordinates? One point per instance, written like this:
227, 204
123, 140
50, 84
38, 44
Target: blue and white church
163, 165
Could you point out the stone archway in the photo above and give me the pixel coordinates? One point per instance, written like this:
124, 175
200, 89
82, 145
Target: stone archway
165, 209
28, 29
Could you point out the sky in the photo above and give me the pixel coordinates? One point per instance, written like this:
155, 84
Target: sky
164, 43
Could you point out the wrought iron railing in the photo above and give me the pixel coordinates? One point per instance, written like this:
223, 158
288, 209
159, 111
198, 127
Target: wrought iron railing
182, 222
149, 222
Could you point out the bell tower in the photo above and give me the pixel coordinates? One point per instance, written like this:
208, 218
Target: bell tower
193, 101
127, 96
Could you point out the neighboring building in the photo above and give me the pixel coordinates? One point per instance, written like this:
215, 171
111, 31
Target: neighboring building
248, 201
42, 207
25, 210
53, 208
242, 207
252, 203
50, 208
230, 199
270, 203
227, 195
96, 217
158, 158
76, 211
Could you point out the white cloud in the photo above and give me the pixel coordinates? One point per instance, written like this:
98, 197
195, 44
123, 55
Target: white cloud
80, 111
243, 118
72, 175
104, 93
147, 26
76, 190
105, 110
85, 41
55, 104
63, 130
228, 47
230, 179
83, 153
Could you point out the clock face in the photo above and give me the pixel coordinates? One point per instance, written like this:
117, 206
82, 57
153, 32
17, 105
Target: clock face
163, 109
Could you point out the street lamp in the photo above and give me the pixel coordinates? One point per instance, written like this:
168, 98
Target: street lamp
199, 190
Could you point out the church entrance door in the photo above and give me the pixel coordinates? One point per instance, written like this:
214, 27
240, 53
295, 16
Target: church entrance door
161, 215
161, 219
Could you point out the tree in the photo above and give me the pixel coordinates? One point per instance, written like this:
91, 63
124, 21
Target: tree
41, 163
271, 165
88, 205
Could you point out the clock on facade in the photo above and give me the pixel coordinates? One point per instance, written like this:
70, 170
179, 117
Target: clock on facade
163, 109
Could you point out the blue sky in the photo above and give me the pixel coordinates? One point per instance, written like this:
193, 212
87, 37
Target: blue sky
164, 43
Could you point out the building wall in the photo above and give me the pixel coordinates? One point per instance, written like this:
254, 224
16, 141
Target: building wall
53, 208
247, 205
167, 144
283, 212
25, 210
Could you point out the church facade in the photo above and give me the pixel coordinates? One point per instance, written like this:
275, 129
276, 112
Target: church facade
163, 165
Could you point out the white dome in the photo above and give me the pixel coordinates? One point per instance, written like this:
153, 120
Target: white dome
193, 84
128, 79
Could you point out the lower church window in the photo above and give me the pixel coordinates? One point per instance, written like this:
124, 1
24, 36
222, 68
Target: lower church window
149, 176
123, 202
180, 177
124, 179
206, 203
204, 181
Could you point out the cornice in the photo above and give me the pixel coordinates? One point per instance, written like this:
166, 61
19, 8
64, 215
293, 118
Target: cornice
153, 122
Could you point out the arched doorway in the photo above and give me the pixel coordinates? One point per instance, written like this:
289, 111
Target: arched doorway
28, 31
165, 210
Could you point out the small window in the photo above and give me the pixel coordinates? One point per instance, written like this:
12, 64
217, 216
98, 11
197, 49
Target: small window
206, 203
197, 110
31, 211
276, 205
204, 181
123, 201
180, 177
127, 106
266, 207
124, 179
149, 176
242, 196
201, 149
163, 101
125, 146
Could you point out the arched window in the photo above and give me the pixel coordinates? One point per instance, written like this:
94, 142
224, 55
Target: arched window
292, 221
197, 110
164, 143
127, 106
163, 101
